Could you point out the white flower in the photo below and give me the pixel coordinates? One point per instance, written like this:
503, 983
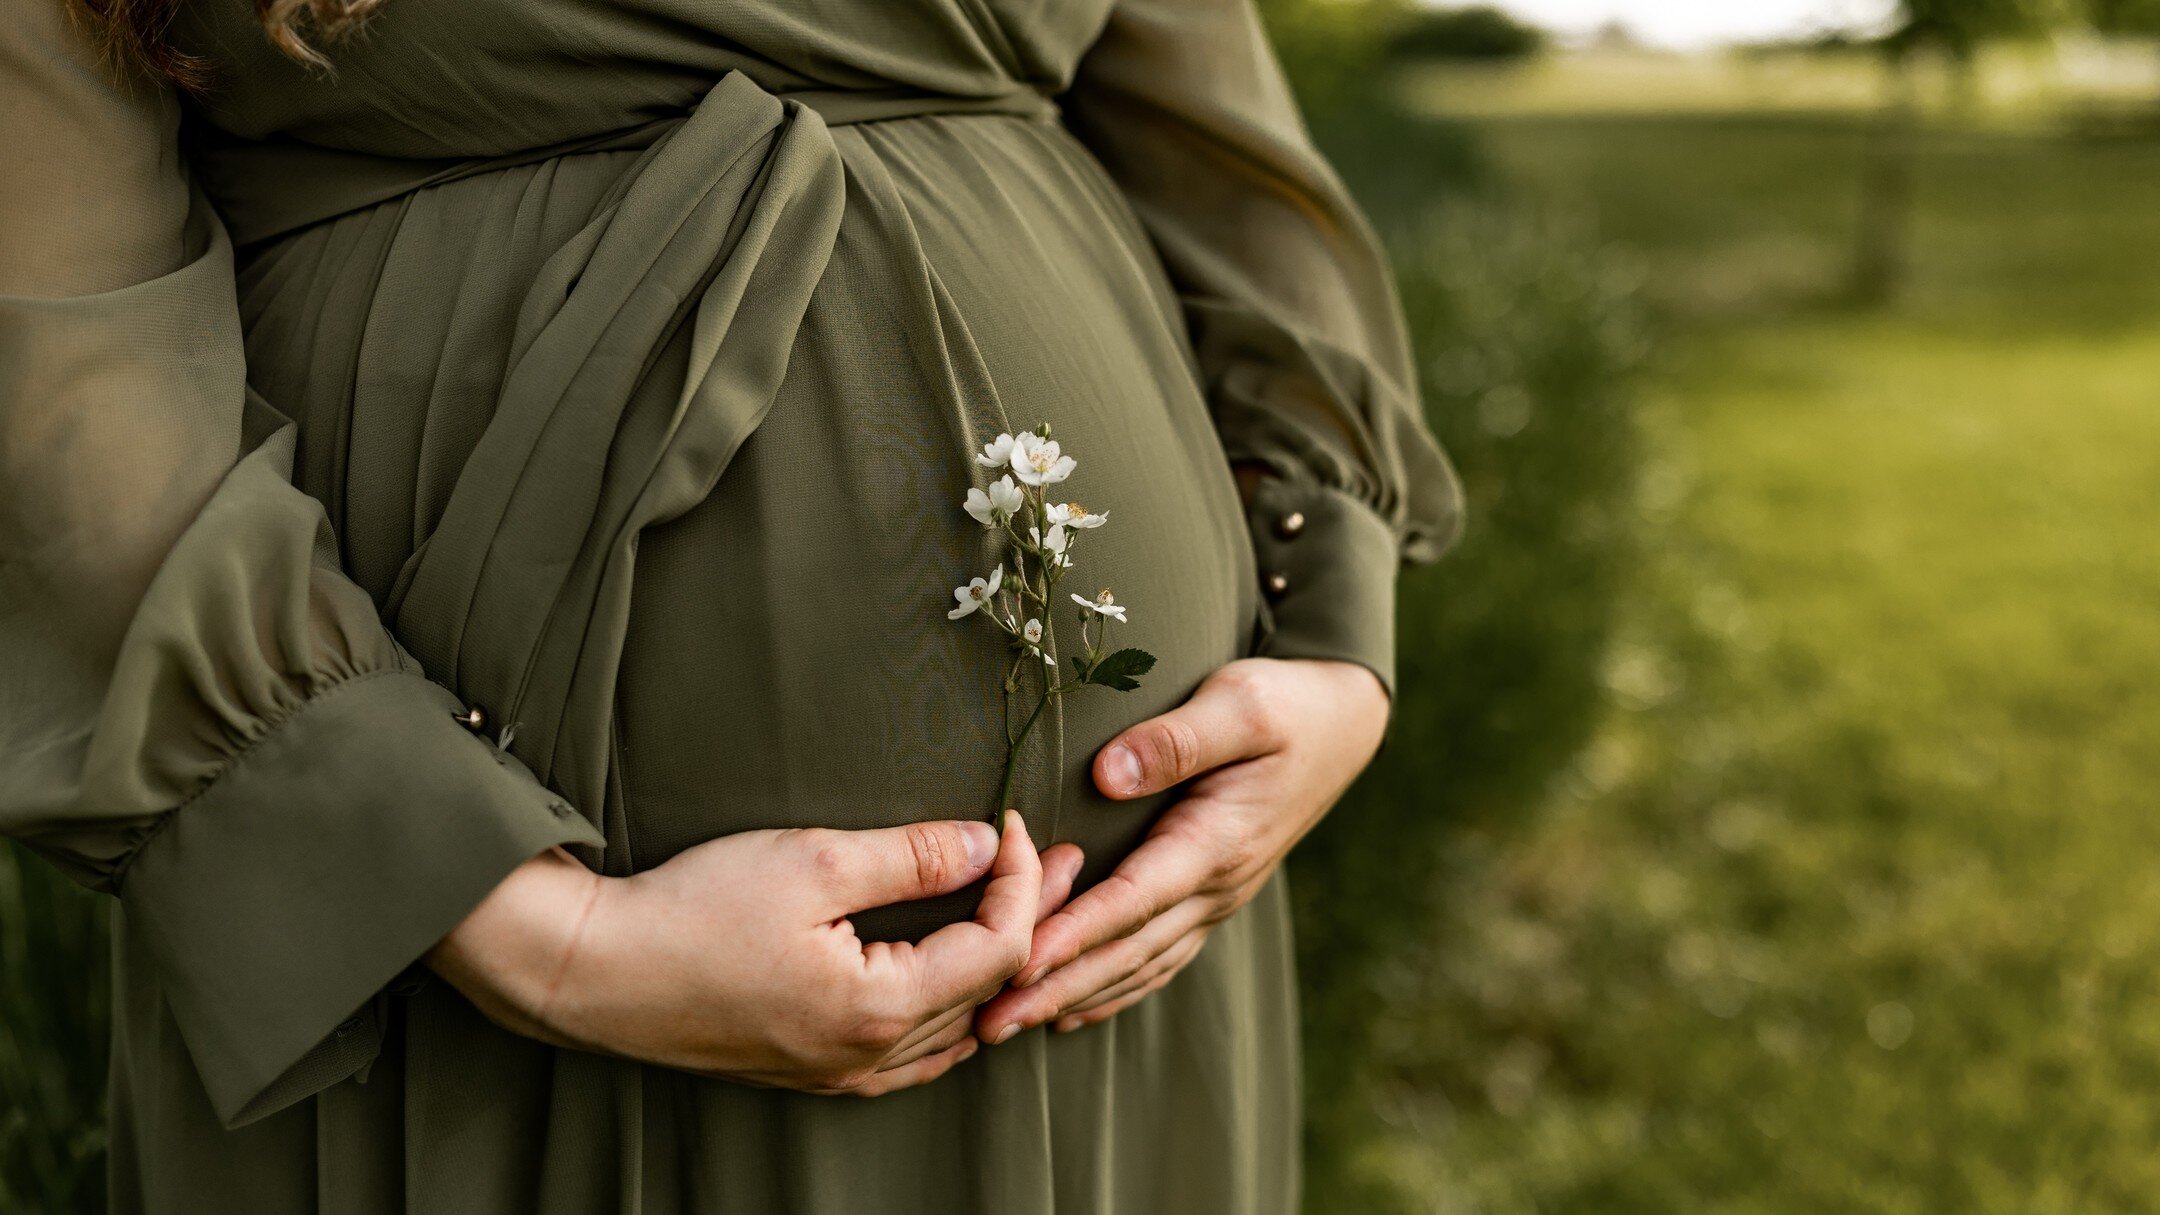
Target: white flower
1054, 543
1037, 461
995, 507
1104, 604
976, 594
1072, 514
1032, 633
996, 452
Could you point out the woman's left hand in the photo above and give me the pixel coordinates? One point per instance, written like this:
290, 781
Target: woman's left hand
1274, 742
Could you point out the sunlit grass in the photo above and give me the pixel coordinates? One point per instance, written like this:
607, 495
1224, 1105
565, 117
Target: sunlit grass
1848, 907
1645, 82
2010, 84
1747, 214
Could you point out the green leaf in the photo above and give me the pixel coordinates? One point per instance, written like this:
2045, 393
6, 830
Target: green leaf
1080, 667
1122, 670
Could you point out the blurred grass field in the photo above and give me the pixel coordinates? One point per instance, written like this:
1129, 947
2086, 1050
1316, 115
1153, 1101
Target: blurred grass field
1845, 900
2011, 83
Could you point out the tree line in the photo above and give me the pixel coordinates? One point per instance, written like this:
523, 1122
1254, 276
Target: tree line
1949, 31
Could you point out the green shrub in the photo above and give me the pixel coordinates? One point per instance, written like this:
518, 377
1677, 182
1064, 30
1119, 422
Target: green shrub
1334, 50
1479, 33
1527, 330
54, 1009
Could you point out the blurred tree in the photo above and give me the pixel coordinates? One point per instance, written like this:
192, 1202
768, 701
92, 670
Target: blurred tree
2134, 17
1615, 35
1479, 33
1955, 30
1334, 50
1958, 28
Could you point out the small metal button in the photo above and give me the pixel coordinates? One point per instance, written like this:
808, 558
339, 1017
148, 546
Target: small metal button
1277, 585
472, 719
561, 808
1290, 526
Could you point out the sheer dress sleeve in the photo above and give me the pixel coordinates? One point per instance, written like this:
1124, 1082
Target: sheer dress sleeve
1292, 313
198, 712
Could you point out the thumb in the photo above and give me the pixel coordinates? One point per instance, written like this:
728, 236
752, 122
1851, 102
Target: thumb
858, 870
1219, 725
964, 963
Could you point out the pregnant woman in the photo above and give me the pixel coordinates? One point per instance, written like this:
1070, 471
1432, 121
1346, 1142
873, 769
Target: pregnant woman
479, 491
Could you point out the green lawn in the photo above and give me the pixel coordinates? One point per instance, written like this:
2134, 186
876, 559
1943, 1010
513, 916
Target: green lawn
1849, 901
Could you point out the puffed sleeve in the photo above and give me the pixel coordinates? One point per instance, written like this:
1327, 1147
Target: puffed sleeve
198, 711
1292, 312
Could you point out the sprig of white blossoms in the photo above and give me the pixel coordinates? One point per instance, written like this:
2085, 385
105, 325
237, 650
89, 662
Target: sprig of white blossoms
1042, 536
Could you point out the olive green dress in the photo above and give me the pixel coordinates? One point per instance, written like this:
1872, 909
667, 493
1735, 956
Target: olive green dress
615, 369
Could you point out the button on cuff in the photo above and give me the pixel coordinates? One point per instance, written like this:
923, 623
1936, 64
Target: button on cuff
1327, 565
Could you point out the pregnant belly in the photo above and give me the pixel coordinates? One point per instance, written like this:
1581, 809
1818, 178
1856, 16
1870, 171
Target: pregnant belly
789, 662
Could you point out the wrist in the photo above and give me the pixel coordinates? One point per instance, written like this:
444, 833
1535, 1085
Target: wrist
1354, 704
511, 954
1366, 690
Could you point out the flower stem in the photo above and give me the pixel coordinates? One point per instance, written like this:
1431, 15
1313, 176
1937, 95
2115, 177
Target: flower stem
1012, 753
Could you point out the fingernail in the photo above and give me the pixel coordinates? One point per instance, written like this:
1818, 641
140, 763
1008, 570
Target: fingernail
982, 844
1013, 821
1122, 768
1068, 1025
968, 1049
1005, 1034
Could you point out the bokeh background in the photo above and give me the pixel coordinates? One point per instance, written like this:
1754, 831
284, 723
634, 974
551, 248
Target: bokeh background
1768, 824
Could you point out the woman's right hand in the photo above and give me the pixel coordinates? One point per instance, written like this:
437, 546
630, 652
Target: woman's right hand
736, 959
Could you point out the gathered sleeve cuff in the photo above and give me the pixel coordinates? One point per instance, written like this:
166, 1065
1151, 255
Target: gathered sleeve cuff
331, 853
1327, 567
